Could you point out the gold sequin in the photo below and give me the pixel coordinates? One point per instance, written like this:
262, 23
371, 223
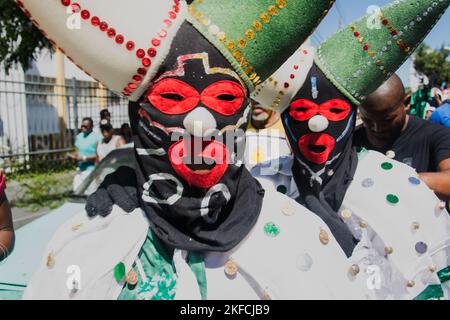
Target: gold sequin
250, 34
354, 270
77, 227
281, 4
324, 237
363, 224
432, 268
257, 25
415, 226
352, 28
346, 214
230, 45
222, 36
238, 55
132, 278
360, 40
408, 49
249, 70
372, 53
50, 260
231, 268
266, 296
410, 284
265, 17
242, 43
389, 250
281, 93
399, 41
253, 76
273, 10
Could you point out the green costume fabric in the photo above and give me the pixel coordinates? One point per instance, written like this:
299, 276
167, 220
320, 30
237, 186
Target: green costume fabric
161, 278
359, 58
419, 100
254, 49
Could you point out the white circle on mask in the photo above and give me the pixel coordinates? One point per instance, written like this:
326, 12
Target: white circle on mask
200, 122
318, 123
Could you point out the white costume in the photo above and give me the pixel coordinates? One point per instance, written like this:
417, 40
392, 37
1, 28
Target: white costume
403, 246
298, 258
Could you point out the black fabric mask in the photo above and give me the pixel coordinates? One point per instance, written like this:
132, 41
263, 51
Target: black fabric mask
319, 124
195, 192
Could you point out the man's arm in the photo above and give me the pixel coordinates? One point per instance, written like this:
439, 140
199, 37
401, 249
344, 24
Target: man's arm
6, 228
439, 181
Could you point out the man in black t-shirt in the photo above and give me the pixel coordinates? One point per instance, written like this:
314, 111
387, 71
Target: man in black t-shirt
389, 129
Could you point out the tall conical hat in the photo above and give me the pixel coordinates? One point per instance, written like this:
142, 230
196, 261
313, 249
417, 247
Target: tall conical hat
360, 57
122, 44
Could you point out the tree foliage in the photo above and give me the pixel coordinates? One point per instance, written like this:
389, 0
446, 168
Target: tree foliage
20, 40
433, 63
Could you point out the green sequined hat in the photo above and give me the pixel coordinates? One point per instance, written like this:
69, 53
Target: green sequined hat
257, 36
359, 58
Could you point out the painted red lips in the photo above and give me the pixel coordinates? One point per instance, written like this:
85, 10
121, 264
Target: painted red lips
316, 147
214, 153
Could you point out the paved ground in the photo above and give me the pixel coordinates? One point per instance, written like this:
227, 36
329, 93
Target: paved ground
22, 217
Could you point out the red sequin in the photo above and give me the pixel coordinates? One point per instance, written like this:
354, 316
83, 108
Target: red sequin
172, 15
156, 42
142, 71
151, 52
140, 53
65, 2
130, 45
95, 21
146, 62
75, 8
168, 23
27, 13
385, 21
162, 33
19, 3
137, 78
85, 14
292, 76
132, 86
394, 32
295, 67
111, 32
286, 85
120, 39
176, 8
356, 34
366, 47
103, 26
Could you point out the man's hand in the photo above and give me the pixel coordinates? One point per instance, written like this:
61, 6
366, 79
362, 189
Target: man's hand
118, 188
439, 182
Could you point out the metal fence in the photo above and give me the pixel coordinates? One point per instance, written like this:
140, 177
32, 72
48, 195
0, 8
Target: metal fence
40, 119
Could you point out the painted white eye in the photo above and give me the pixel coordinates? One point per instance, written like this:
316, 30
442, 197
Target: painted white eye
318, 123
200, 122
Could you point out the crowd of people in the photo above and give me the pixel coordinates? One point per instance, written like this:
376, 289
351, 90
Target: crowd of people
94, 143
334, 212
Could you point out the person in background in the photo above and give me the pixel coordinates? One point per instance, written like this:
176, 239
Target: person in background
104, 115
442, 114
126, 133
86, 151
429, 111
389, 129
6, 224
265, 137
109, 142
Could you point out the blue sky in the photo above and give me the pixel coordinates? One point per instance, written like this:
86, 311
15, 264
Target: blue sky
350, 10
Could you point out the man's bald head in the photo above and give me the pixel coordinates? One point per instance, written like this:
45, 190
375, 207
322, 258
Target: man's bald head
384, 112
387, 97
